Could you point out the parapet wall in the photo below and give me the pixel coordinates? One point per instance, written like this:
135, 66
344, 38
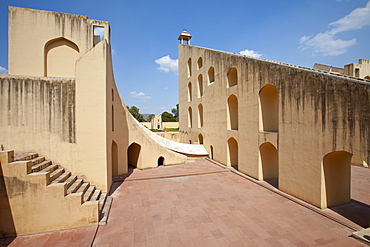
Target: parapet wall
38, 114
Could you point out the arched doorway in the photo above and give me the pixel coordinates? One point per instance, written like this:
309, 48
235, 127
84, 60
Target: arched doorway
133, 154
161, 161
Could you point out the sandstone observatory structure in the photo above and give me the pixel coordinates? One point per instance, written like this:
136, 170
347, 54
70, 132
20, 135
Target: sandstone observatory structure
60, 100
271, 120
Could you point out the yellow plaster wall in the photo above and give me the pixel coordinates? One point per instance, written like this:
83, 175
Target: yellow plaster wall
318, 113
30, 31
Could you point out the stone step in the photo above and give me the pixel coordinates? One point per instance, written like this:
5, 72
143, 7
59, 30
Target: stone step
96, 195
55, 174
25, 156
41, 166
102, 199
89, 193
83, 187
62, 177
75, 186
71, 180
50, 168
38, 160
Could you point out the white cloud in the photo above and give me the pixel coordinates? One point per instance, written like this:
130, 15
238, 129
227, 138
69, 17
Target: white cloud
327, 44
3, 70
167, 64
141, 96
250, 53
165, 88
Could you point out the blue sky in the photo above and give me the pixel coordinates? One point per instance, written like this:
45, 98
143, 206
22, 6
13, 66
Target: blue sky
144, 36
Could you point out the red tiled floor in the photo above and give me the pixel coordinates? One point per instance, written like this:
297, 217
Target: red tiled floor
213, 207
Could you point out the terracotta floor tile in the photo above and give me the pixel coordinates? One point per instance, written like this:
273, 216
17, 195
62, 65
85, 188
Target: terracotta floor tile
211, 207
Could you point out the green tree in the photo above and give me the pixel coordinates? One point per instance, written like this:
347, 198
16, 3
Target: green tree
149, 118
168, 117
175, 112
135, 113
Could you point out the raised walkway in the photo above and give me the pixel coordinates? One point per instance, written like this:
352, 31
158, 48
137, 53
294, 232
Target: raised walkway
203, 204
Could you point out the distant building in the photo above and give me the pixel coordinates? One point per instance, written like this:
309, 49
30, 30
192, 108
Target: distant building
360, 69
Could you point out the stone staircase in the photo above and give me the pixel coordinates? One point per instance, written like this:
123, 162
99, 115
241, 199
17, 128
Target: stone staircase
39, 196
59, 175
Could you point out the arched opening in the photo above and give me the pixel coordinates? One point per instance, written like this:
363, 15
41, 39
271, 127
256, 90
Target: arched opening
232, 153
200, 86
189, 67
232, 113
232, 77
133, 154
269, 108
200, 62
336, 184
114, 159
112, 118
268, 163
200, 116
112, 94
200, 139
190, 117
211, 152
211, 75
190, 95
161, 161
60, 56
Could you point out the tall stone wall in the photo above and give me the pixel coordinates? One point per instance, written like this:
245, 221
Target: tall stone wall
38, 114
316, 114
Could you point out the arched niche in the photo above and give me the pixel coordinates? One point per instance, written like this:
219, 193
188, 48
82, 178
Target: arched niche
211, 75
200, 139
190, 92
336, 185
60, 56
200, 116
189, 68
200, 63
200, 86
232, 153
232, 77
268, 158
268, 109
114, 153
190, 117
211, 152
232, 113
